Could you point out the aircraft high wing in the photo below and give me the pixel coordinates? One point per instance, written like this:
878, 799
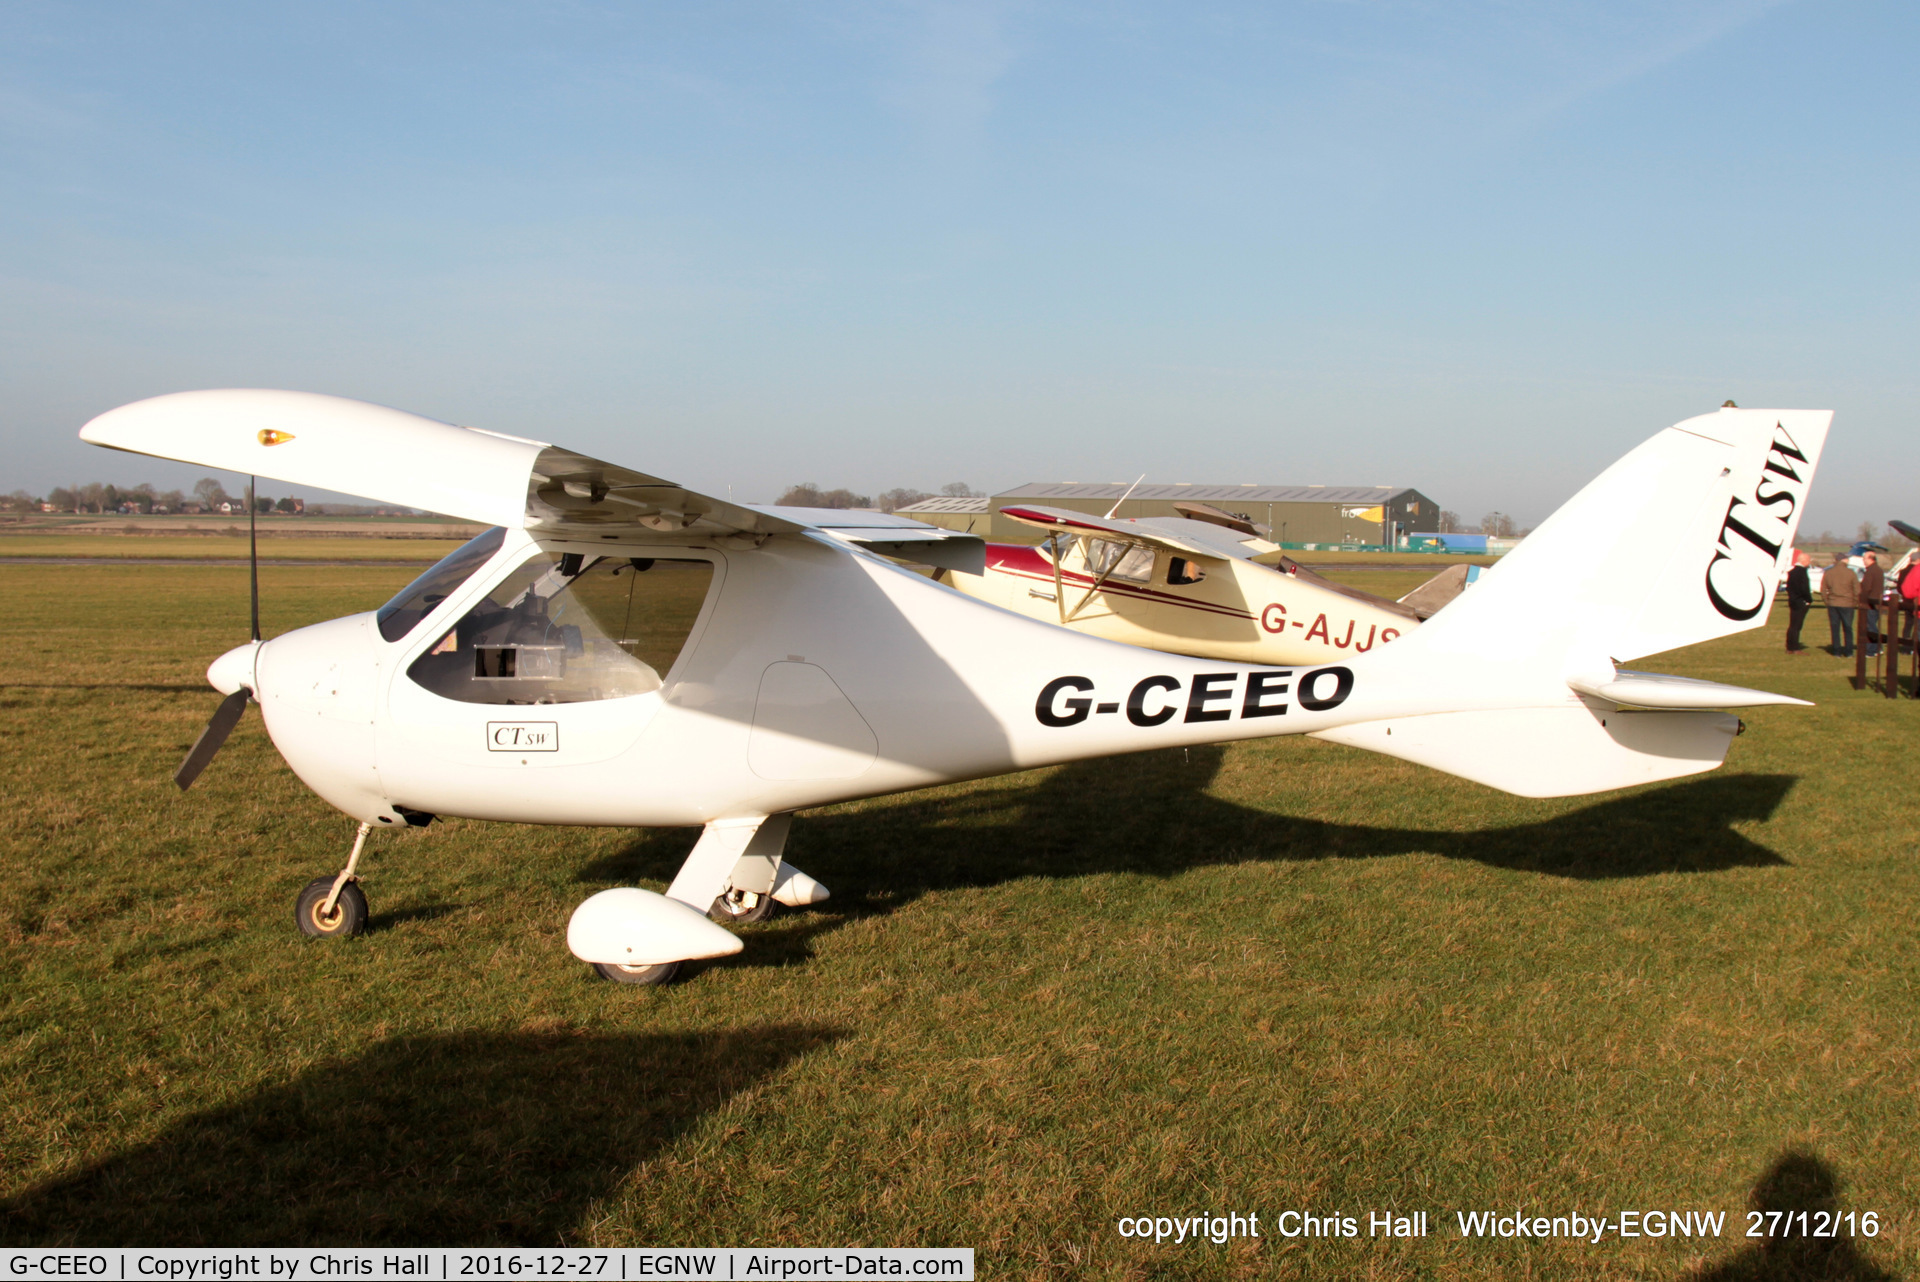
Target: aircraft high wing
1179, 534
395, 457
619, 650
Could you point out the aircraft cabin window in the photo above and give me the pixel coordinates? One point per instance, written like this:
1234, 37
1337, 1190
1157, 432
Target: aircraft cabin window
1128, 560
1181, 572
561, 629
416, 601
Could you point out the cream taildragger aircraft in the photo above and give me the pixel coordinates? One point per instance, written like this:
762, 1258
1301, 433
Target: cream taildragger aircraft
1191, 587
622, 651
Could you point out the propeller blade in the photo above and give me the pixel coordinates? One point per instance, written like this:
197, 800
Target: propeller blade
219, 726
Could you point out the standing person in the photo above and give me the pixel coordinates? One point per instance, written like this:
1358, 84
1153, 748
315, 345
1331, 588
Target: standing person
1842, 594
1799, 599
1873, 586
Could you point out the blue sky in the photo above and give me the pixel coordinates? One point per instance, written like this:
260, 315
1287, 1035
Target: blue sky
1479, 248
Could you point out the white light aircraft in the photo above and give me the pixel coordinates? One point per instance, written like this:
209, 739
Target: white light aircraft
619, 650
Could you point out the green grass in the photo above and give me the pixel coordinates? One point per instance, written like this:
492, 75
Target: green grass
215, 547
1335, 557
1282, 975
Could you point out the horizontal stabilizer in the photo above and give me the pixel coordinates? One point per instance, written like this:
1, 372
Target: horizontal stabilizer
1551, 752
1427, 599
1654, 690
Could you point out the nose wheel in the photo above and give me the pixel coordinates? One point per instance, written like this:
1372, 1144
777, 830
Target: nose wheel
347, 915
335, 907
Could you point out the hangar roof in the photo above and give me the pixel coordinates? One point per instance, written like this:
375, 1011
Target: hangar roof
945, 504
1368, 494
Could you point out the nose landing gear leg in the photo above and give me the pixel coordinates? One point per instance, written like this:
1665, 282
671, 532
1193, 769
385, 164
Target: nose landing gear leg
335, 907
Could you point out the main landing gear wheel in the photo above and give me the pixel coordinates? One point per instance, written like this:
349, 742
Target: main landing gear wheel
740, 907
349, 915
649, 975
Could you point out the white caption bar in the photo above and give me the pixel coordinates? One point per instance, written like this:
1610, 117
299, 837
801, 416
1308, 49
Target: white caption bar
360, 1264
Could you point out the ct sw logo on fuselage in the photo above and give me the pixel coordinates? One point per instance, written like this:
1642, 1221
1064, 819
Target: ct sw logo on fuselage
523, 736
1212, 696
1746, 556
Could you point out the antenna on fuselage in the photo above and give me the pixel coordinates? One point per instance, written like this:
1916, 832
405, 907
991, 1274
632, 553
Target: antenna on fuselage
253, 554
1124, 497
227, 715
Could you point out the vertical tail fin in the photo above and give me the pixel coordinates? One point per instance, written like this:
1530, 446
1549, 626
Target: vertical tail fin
1681, 541
1516, 684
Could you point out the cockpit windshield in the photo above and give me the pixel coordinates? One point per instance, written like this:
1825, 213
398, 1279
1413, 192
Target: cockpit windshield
568, 628
415, 601
1130, 561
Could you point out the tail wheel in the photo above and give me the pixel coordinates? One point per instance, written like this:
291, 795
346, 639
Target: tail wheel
348, 917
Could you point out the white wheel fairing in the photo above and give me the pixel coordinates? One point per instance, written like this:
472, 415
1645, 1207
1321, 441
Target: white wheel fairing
628, 926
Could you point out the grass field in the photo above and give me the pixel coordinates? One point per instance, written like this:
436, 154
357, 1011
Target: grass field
226, 547
1278, 976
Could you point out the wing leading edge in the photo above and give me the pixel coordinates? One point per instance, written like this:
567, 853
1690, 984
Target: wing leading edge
391, 456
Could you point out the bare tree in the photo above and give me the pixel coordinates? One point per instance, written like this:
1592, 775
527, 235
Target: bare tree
210, 493
895, 499
959, 490
1497, 525
1449, 522
811, 495
1869, 532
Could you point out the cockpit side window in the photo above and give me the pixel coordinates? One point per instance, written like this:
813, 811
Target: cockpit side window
566, 629
1182, 571
416, 601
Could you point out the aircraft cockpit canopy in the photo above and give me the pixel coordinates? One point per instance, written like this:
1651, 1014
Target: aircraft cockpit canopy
566, 628
416, 601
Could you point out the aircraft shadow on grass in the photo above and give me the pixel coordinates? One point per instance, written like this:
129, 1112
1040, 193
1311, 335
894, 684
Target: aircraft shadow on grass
483, 1137
1150, 813
1797, 1181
